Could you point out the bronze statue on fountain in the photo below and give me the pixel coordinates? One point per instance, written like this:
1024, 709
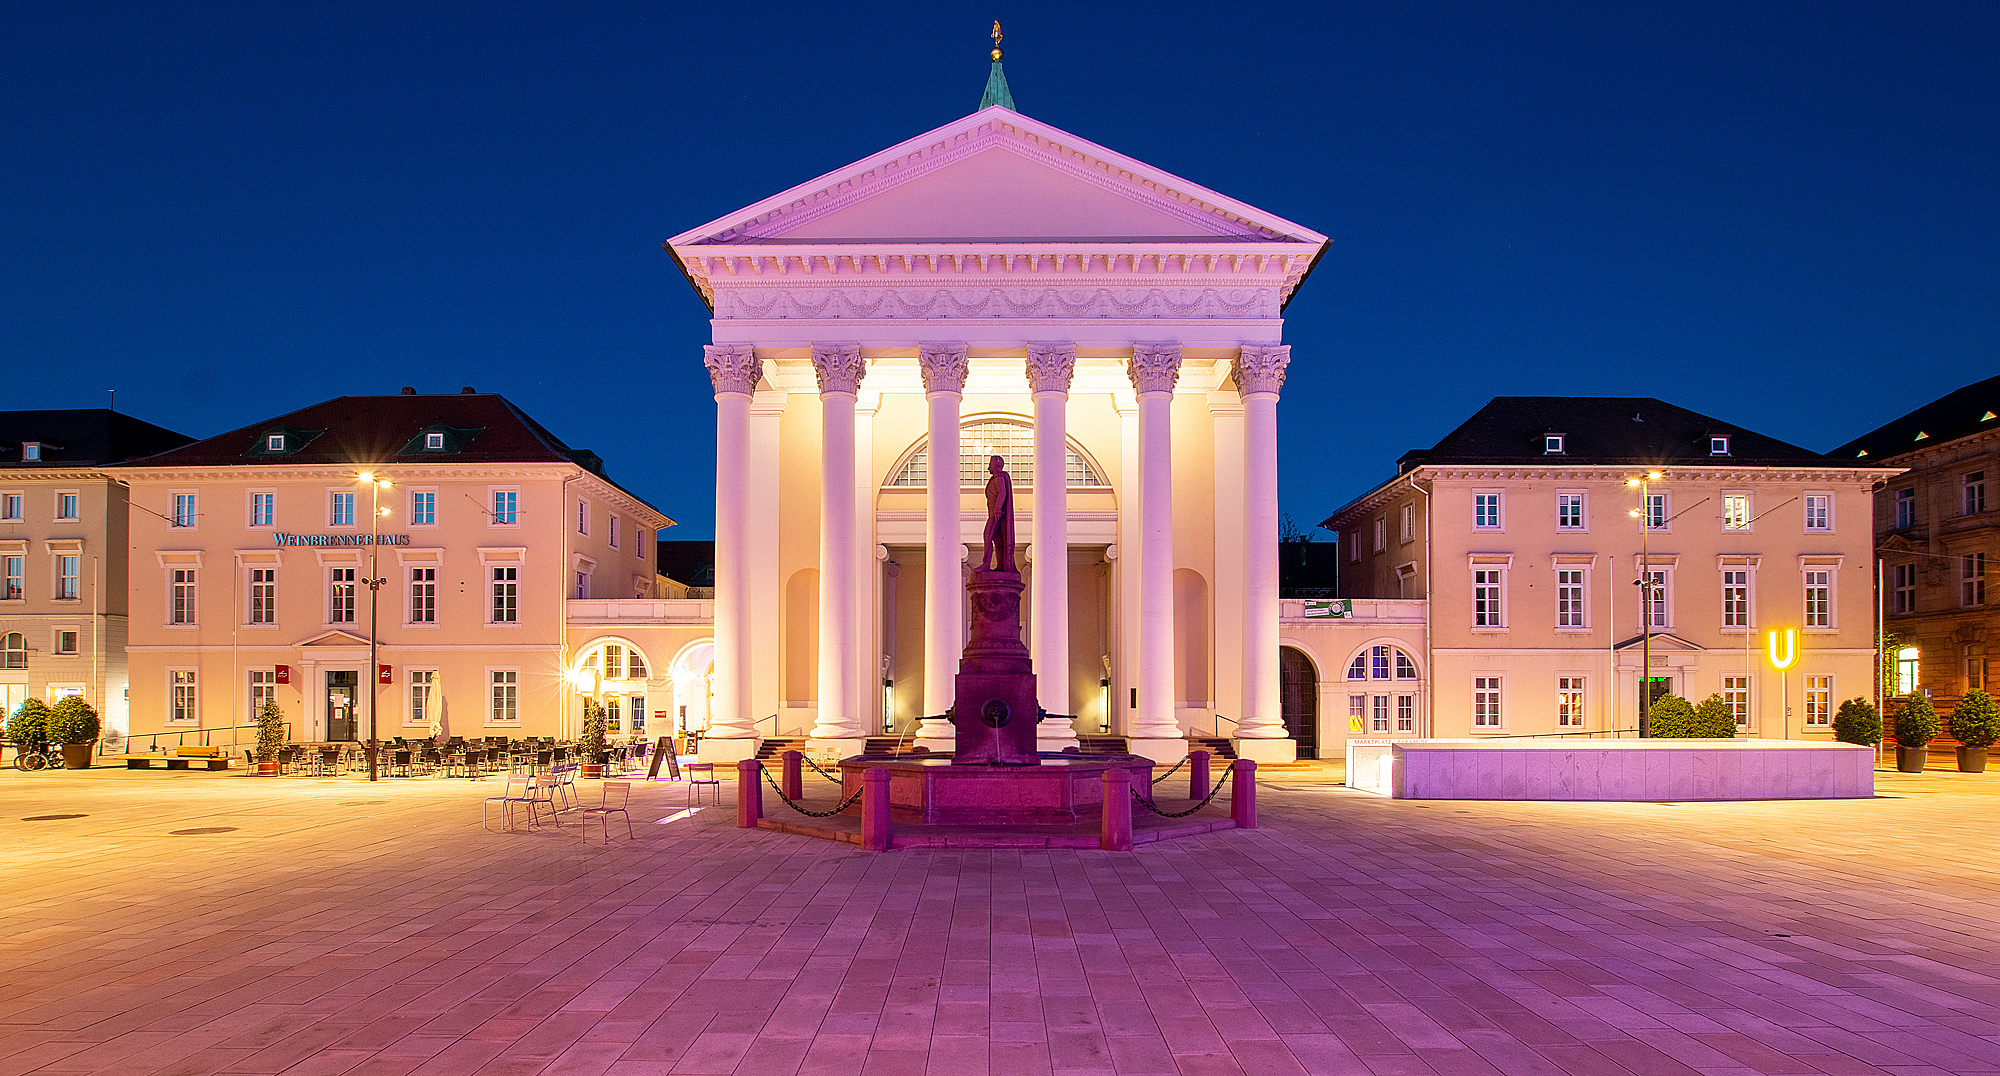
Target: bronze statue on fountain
995, 712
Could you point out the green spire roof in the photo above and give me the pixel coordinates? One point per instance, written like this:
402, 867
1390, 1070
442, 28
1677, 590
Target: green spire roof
996, 89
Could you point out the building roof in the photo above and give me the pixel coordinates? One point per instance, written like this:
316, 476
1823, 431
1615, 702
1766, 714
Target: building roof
83, 437
359, 431
689, 563
1969, 410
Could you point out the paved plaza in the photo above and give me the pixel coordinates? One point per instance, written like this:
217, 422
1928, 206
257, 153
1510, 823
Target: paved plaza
190, 924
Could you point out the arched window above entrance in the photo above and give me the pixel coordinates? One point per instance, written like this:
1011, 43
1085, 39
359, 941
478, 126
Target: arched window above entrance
1382, 663
15, 648
1011, 441
614, 661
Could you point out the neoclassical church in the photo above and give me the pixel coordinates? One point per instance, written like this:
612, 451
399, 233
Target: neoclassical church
997, 287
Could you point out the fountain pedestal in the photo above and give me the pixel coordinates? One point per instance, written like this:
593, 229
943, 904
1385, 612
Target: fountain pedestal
994, 710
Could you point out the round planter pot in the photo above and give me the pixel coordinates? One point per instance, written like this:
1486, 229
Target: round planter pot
1972, 760
76, 756
1911, 759
592, 769
267, 769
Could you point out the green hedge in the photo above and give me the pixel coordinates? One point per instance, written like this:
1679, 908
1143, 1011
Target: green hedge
1673, 718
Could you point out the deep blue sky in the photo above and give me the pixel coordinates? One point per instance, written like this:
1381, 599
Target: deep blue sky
1780, 214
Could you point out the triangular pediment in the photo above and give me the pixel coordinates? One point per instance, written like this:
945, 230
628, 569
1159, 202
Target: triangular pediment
996, 177
335, 638
1898, 542
1662, 642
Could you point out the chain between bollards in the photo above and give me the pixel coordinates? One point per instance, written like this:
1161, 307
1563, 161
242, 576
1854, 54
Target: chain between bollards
1206, 800
844, 805
1171, 772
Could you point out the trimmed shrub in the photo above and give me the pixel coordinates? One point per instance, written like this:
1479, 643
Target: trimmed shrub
28, 726
74, 721
1976, 722
1715, 718
1857, 722
1917, 724
1670, 717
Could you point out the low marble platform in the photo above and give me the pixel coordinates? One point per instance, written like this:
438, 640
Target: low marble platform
1655, 770
1064, 789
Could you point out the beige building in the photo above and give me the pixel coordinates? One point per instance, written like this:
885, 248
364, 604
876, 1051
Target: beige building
63, 555
1522, 528
253, 551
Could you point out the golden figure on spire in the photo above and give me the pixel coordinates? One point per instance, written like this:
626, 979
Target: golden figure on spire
996, 41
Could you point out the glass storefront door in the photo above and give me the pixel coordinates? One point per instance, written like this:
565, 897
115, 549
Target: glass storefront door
341, 688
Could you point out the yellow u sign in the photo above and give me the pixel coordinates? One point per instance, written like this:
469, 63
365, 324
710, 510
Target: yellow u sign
1791, 649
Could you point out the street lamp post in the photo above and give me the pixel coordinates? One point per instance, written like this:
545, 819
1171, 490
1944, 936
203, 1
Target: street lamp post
1644, 484
375, 580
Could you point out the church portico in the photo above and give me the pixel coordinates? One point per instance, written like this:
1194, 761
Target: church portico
1121, 350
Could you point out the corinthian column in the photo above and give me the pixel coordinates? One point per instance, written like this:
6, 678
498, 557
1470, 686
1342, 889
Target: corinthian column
839, 728
1050, 367
943, 367
1261, 735
1154, 731
734, 370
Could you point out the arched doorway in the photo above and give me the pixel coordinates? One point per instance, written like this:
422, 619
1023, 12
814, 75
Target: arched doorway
1298, 695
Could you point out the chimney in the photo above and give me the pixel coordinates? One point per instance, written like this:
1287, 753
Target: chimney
468, 391
408, 391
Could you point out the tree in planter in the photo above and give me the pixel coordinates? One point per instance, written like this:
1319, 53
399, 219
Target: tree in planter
74, 721
270, 731
1917, 724
1858, 723
1976, 722
28, 725
590, 742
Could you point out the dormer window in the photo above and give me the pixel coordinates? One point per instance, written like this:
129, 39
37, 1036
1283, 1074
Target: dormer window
434, 441
31, 451
1718, 444
1552, 444
274, 443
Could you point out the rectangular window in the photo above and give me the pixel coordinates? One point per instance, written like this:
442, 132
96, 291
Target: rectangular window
263, 509
1819, 599
1819, 701
181, 708
341, 606
1569, 511
1906, 508
1819, 512
1354, 547
1736, 694
1569, 702
1972, 579
506, 591
31, 451
1408, 523
1975, 670
582, 517
423, 684
341, 512
1357, 712
423, 508
506, 697
66, 577
1381, 535
12, 505
506, 507
423, 595
1569, 598
1656, 512
1406, 713
263, 596
10, 577
1486, 702
612, 533
1975, 493
1486, 612
263, 689
66, 506
181, 601
1378, 713
614, 662
1735, 598
184, 510
1656, 599
1486, 511
1735, 511
1903, 588
66, 642
1552, 444
582, 585
1718, 445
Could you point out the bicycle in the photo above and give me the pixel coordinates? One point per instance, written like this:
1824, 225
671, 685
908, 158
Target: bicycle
37, 758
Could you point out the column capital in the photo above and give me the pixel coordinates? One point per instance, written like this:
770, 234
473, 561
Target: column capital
1154, 367
839, 366
943, 367
1261, 368
733, 367
1051, 366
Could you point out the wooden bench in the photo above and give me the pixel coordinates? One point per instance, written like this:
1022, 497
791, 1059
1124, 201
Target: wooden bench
184, 758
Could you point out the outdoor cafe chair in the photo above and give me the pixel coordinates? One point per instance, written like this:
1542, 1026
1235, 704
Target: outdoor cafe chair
330, 760
508, 799
399, 762
544, 794
702, 775
605, 810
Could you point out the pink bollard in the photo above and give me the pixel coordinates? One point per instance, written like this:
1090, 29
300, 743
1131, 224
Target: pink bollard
791, 780
1115, 832
1197, 774
749, 793
875, 810
1243, 794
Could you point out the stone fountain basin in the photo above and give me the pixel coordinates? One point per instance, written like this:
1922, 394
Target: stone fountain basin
934, 792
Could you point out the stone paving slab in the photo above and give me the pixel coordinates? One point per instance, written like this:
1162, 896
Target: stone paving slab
333, 926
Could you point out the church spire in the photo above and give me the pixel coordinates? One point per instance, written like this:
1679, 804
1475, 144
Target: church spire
996, 81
